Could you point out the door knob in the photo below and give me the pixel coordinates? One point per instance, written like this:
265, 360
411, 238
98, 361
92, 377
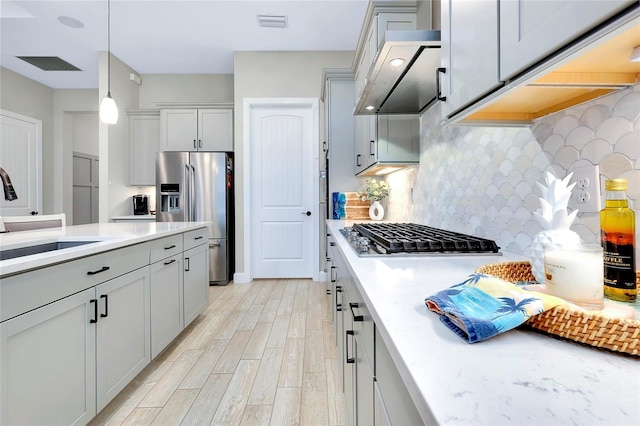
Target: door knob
308, 213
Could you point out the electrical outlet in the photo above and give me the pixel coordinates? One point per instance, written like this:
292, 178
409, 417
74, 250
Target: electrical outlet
586, 194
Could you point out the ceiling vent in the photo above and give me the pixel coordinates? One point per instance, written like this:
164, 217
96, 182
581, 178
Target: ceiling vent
49, 63
272, 21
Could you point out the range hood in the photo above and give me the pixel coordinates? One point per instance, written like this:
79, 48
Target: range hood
407, 88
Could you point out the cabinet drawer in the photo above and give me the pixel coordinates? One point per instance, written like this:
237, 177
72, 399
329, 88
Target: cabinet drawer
363, 325
165, 247
24, 292
195, 238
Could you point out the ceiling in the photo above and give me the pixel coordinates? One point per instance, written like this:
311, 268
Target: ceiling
166, 36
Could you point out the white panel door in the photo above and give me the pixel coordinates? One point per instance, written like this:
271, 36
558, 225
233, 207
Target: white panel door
20, 151
282, 191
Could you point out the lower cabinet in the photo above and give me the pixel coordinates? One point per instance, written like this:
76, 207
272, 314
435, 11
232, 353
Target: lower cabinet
63, 362
374, 392
196, 272
167, 320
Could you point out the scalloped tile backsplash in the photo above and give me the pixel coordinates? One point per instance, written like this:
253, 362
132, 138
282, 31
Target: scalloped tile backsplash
482, 180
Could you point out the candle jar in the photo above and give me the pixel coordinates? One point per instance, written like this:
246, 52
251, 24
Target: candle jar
574, 273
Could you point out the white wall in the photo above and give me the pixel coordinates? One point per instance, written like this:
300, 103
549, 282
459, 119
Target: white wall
272, 74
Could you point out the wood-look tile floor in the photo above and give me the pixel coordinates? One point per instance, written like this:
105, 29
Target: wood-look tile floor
262, 353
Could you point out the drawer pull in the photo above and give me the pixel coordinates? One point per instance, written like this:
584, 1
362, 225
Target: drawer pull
187, 264
103, 269
172, 246
356, 318
95, 311
351, 360
169, 262
106, 305
199, 238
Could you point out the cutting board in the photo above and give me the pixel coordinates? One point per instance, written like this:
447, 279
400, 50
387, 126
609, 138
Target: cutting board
347, 205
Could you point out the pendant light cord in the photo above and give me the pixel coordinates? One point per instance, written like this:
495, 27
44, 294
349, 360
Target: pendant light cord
109, 48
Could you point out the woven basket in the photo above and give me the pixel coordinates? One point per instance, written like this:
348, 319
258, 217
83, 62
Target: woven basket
613, 334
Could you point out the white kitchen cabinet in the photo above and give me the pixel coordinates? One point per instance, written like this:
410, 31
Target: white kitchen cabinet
197, 129
167, 318
530, 30
196, 281
144, 144
48, 364
123, 333
386, 140
469, 52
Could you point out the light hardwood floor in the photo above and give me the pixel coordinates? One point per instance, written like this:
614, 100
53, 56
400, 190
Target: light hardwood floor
262, 353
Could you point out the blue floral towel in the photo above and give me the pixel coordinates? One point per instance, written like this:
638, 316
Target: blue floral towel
483, 306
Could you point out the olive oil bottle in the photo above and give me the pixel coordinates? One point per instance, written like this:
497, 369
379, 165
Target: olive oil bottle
617, 233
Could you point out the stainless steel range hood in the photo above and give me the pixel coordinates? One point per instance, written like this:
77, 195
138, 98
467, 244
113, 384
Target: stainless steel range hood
407, 88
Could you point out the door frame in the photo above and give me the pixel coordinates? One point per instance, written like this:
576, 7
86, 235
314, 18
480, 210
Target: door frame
249, 104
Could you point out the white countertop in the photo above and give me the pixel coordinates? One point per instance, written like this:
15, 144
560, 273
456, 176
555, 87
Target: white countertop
108, 236
516, 378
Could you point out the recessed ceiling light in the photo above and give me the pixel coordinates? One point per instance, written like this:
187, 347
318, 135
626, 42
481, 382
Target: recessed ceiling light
369, 107
272, 21
70, 22
396, 62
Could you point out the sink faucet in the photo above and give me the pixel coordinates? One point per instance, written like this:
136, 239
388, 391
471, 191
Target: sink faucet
9, 192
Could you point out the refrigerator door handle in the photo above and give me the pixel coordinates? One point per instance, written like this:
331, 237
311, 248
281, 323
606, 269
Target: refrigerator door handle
187, 193
192, 217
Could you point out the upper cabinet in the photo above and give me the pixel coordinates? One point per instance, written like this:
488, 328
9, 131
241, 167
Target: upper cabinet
144, 144
209, 129
530, 30
510, 62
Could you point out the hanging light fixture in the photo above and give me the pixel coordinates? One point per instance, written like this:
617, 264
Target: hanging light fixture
108, 108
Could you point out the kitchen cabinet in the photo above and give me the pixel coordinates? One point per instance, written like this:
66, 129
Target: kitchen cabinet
167, 310
196, 272
531, 30
208, 129
386, 141
48, 370
510, 62
71, 357
144, 144
469, 52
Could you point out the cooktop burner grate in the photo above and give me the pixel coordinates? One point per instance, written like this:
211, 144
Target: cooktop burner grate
413, 238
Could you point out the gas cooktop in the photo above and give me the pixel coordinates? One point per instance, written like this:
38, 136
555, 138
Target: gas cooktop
411, 239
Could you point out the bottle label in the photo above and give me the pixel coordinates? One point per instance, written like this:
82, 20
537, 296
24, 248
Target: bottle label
619, 268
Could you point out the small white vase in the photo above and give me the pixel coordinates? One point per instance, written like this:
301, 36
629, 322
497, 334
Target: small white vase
376, 211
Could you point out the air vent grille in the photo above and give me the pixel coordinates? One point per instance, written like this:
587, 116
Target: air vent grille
49, 63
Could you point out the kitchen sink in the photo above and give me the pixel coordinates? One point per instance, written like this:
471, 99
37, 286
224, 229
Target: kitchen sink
40, 248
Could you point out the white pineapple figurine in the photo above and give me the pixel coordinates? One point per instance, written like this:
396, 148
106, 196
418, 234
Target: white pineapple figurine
553, 218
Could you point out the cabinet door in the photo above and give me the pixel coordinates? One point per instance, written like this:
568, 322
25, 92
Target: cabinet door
166, 302
398, 138
348, 360
179, 129
196, 282
47, 371
469, 51
532, 29
144, 144
215, 130
123, 332
364, 387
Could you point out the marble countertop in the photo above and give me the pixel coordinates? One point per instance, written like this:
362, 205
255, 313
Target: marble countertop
107, 236
516, 378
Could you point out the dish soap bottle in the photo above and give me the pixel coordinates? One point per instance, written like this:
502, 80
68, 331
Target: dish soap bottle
617, 233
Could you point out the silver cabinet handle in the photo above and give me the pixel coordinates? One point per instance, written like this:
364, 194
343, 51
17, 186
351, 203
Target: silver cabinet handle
215, 245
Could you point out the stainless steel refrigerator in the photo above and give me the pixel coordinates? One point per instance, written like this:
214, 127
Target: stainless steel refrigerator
198, 186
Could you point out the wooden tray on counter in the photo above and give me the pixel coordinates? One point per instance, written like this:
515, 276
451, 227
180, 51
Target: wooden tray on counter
613, 334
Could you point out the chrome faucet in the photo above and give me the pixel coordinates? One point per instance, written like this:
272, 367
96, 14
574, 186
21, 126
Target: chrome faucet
9, 192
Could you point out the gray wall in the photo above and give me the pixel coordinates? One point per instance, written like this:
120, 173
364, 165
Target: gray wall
192, 88
273, 75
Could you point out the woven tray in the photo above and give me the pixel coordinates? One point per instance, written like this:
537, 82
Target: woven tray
613, 334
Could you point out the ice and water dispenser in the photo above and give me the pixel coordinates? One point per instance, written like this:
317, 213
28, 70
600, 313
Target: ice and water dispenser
170, 198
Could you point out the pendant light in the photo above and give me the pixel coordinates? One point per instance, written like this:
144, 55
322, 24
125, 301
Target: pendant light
108, 108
